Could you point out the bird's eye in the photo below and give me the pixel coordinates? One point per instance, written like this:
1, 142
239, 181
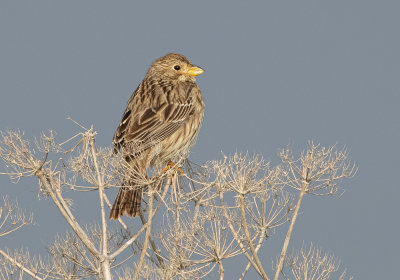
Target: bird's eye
177, 67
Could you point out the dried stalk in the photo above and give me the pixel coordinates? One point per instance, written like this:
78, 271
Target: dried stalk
148, 230
104, 259
19, 265
260, 241
236, 236
62, 206
152, 243
199, 230
290, 230
249, 241
221, 270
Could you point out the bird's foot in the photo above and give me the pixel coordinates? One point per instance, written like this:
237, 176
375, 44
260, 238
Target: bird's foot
171, 165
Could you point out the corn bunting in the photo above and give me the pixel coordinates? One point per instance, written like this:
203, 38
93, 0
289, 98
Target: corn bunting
159, 126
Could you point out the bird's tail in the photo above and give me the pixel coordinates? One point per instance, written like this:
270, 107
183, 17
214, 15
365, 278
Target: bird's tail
128, 201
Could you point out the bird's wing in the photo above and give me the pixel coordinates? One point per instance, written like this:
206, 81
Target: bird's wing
153, 115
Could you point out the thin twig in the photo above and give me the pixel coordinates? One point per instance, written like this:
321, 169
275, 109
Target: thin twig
148, 230
260, 241
19, 265
133, 238
249, 241
153, 244
235, 234
63, 208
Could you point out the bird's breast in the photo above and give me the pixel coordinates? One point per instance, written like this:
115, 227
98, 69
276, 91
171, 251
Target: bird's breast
177, 146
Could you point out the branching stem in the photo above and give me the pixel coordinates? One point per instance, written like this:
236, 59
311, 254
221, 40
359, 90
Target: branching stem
61, 205
249, 241
235, 234
19, 265
290, 230
105, 261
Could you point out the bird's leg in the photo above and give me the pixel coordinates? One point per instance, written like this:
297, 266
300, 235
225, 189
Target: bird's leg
171, 165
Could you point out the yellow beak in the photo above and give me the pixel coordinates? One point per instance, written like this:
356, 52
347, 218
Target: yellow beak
195, 71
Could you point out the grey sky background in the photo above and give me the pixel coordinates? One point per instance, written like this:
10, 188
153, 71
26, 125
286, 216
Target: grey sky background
277, 73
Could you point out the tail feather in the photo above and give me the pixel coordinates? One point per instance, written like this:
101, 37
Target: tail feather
128, 201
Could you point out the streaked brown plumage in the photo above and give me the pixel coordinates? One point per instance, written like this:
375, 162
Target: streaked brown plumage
160, 125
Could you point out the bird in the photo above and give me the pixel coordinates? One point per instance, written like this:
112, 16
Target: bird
159, 126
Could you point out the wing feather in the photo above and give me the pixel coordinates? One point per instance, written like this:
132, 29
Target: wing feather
150, 119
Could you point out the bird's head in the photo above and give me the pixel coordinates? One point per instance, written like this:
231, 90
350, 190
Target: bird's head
174, 67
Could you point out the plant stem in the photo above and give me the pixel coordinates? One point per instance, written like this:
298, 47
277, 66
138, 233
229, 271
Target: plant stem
289, 232
19, 265
148, 230
105, 261
221, 270
61, 205
235, 234
249, 241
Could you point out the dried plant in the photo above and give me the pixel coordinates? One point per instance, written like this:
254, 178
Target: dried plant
311, 263
11, 217
317, 171
192, 222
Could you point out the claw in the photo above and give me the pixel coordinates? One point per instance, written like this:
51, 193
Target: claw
172, 165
